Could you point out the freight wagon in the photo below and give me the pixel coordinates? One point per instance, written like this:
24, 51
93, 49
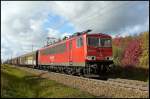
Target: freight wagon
28, 59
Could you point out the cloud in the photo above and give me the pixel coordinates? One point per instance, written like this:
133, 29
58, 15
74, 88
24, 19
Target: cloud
22, 27
27, 23
107, 17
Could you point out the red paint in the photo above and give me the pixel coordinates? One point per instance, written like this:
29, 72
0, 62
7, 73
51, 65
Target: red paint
76, 54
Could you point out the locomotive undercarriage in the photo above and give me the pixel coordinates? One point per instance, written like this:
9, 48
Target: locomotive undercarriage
97, 68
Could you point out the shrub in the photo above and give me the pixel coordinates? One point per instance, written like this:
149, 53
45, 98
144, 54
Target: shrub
132, 53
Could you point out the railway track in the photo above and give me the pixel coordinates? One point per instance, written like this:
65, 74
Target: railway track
124, 83
110, 88
132, 84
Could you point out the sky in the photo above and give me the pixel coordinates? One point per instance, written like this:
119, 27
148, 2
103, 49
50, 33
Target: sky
28, 23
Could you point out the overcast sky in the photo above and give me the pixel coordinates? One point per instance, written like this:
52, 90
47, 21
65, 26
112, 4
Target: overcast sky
27, 23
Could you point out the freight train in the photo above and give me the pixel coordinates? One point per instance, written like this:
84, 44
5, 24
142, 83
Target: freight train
79, 54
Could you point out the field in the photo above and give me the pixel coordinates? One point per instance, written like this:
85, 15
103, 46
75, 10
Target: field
16, 83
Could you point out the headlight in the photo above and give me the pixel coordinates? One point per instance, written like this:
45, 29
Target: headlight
109, 58
91, 57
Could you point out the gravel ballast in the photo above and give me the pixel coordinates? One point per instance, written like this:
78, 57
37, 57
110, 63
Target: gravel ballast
96, 87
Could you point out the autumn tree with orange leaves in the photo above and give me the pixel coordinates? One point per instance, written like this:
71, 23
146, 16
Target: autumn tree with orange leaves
132, 50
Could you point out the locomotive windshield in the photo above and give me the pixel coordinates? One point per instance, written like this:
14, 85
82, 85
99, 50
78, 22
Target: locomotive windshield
93, 42
99, 42
105, 42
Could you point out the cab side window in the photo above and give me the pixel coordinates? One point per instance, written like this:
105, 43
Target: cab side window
79, 42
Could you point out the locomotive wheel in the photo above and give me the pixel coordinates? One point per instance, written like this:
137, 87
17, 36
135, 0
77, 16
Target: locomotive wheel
63, 70
70, 71
84, 72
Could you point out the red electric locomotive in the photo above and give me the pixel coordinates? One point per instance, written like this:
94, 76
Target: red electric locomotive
82, 53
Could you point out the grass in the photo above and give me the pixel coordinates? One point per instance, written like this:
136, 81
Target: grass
16, 83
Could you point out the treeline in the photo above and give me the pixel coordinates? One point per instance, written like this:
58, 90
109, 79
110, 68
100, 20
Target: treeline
132, 50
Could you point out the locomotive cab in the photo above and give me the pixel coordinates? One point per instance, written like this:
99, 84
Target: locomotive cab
99, 51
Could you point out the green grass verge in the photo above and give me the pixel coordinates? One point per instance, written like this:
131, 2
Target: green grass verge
16, 83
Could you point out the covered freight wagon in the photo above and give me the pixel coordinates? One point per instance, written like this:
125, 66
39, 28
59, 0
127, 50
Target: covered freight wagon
28, 59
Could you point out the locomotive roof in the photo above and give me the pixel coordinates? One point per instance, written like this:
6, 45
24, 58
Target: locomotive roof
99, 34
73, 37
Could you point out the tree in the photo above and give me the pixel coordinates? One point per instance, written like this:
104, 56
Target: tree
117, 50
132, 53
117, 54
117, 41
144, 58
